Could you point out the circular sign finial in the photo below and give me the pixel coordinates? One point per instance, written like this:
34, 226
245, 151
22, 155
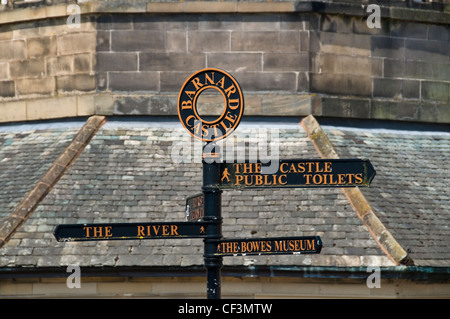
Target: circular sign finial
226, 123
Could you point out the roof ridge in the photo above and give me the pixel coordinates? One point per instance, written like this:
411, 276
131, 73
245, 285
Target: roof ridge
390, 246
43, 186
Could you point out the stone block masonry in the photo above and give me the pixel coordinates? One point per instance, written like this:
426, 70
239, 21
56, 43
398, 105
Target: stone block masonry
390, 69
290, 59
154, 54
336, 57
46, 58
263, 52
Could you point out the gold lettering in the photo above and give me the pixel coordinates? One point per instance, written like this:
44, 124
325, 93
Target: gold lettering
197, 126
319, 181
197, 83
186, 105
328, 167
108, 231
280, 181
205, 131
291, 245
292, 169
278, 246
331, 180
224, 126
230, 90
230, 118
359, 178
155, 230
301, 167
221, 82
165, 230
263, 246
258, 180
310, 244
318, 170
208, 79
229, 247
87, 229
248, 168
308, 176
266, 182
188, 118
236, 104
282, 169
190, 94
350, 178
301, 245
239, 179
98, 231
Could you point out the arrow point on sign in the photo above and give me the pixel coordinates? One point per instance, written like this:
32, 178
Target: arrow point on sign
370, 172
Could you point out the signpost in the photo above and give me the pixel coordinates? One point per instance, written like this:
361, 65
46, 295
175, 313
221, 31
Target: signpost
204, 210
298, 173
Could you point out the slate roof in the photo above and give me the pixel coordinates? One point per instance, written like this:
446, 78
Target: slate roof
410, 194
127, 173
25, 155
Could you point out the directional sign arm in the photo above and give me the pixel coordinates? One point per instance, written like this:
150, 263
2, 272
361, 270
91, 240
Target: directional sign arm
323, 173
121, 231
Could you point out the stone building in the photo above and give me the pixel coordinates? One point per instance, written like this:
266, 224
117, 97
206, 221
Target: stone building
89, 133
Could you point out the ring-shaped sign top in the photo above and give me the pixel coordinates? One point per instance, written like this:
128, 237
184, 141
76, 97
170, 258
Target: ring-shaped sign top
227, 122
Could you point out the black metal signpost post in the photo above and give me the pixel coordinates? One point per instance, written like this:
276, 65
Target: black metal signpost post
210, 131
212, 195
204, 211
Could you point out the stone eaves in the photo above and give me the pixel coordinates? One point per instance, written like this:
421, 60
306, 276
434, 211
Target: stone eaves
355, 196
416, 12
43, 186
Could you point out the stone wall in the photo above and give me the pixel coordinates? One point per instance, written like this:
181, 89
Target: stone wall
40, 63
400, 71
291, 59
46, 57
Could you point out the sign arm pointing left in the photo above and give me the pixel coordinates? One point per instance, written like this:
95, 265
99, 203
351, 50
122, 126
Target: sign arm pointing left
121, 231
